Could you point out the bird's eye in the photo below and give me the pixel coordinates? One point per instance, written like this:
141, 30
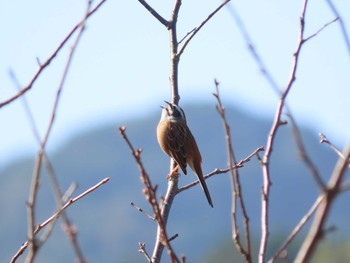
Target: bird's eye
176, 113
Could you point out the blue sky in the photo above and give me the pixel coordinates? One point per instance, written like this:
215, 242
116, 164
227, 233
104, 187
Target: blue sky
121, 67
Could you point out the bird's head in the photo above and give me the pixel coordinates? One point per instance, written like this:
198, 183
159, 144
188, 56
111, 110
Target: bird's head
173, 113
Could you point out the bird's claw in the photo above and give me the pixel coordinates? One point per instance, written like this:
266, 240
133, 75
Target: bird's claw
173, 173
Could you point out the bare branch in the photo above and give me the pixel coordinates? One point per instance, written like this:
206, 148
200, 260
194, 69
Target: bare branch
251, 47
297, 229
151, 197
173, 237
236, 188
323, 139
196, 29
154, 13
56, 215
240, 164
58, 194
304, 155
142, 250
188, 33
270, 142
50, 59
33, 244
142, 211
342, 25
174, 58
333, 190
322, 28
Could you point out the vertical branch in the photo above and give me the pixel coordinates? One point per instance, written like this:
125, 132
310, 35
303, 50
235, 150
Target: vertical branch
171, 26
174, 57
236, 188
175, 97
165, 211
270, 142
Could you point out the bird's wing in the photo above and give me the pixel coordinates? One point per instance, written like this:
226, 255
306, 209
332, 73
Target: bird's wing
177, 140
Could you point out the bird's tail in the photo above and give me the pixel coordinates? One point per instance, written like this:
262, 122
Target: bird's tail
205, 189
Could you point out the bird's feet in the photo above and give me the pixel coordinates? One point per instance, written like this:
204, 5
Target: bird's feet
173, 173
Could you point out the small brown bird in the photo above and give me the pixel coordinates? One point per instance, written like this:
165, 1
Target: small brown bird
177, 141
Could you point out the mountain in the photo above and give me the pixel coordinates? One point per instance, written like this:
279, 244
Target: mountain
109, 229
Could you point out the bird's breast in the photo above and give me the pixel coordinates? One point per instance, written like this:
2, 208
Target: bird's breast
162, 135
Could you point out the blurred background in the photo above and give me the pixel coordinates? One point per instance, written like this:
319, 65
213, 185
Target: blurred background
120, 76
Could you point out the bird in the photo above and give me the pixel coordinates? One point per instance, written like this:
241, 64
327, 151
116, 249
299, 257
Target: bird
177, 141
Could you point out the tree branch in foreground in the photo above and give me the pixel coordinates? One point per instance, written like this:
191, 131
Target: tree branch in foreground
318, 226
51, 58
57, 214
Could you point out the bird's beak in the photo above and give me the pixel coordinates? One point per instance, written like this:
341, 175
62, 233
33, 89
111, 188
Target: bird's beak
170, 104
164, 107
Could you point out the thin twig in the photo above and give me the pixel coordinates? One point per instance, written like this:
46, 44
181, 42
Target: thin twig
342, 25
173, 237
57, 214
304, 155
321, 29
71, 201
142, 211
324, 139
142, 250
237, 195
240, 164
297, 229
196, 29
154, 13
253, 51
51, 226
188, 33
50, 59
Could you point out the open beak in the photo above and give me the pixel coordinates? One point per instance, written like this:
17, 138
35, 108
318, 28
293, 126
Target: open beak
164, 107
170, 104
